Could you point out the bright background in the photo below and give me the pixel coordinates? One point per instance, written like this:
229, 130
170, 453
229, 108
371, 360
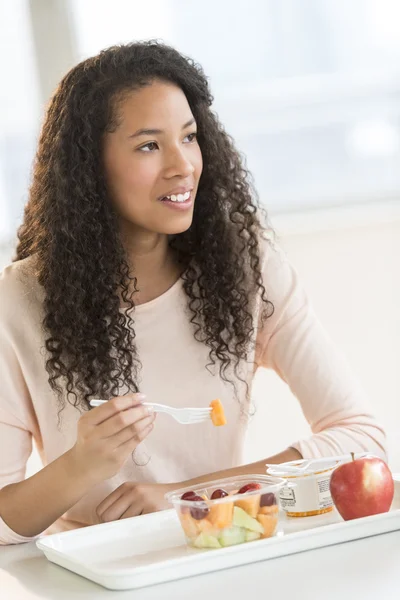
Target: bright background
310, 91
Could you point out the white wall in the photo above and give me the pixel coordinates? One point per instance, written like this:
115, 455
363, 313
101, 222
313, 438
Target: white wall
353, 278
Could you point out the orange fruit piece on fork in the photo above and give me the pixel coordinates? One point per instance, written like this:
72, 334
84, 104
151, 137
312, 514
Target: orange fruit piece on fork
217, 413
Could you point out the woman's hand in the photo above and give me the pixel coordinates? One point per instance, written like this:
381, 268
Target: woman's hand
108, 434
131, 499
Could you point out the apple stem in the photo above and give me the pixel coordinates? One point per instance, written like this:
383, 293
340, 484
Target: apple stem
352, 455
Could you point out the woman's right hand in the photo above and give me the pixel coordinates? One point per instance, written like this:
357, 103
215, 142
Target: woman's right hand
109, 433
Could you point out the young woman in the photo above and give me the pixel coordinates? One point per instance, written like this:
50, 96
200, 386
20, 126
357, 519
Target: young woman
144, 269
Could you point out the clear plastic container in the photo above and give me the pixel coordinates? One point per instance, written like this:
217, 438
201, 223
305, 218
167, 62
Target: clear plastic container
209, 521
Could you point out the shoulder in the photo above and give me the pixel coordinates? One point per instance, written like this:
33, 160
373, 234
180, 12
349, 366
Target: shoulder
19, 288
281, 281
274, 264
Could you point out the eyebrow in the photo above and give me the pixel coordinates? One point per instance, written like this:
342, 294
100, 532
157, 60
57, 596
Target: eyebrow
147, 132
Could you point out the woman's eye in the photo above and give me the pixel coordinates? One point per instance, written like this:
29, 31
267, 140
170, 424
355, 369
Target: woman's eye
149, 147
191, 137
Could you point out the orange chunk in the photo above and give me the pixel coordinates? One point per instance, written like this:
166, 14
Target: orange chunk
217, 413
221, 515
269, 522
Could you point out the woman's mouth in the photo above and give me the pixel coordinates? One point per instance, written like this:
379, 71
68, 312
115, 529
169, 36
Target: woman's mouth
178, 201
178, 197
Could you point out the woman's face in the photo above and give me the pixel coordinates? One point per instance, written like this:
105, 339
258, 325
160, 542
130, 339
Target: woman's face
152, 160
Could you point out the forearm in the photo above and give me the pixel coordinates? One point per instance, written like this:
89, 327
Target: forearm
32, 505
252, 468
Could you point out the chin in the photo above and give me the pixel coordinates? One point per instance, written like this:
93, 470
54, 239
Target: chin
175, 226
165, 225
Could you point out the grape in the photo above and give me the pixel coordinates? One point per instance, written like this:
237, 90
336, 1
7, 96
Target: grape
201, 511
249, 487
219, 494
188, 495
267, 500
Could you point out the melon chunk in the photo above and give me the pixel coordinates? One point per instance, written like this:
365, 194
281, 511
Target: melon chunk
232, 536
205, 526
221, 515
217, 413
269, 523
250, 504
242, 519
252, 535
189, 525
269, 510
206, 541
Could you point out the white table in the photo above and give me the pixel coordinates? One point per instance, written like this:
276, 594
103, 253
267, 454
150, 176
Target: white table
367, 569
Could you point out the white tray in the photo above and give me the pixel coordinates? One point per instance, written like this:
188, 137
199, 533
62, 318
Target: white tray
142, 551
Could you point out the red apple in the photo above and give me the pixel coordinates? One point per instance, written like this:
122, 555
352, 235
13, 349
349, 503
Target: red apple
362, 487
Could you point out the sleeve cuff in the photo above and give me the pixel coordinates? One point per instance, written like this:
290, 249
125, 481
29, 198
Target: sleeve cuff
8, 536
326, 444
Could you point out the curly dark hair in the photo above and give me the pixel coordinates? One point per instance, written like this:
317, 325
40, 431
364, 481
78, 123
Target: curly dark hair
71, 227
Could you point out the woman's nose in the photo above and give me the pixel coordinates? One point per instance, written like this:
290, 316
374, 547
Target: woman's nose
179, 164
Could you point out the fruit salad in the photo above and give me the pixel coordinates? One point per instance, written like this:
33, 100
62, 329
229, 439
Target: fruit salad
229, 511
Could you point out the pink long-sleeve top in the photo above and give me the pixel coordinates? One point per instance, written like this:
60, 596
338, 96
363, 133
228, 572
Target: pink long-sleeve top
291, 342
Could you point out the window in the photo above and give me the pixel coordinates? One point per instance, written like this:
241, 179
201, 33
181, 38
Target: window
19, 114
309, 90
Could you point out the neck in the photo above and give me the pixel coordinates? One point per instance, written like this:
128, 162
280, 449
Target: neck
152, 263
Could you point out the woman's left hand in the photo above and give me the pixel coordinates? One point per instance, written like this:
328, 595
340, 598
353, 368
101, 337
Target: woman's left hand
131, 499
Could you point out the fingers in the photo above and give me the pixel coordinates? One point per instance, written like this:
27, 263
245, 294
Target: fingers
127, 447
134, 510
122, 420
124, 504
113, 407
109, 501
132, 499
109, 433
137, 430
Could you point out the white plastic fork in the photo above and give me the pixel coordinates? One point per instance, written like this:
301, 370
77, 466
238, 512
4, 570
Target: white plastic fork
185, 416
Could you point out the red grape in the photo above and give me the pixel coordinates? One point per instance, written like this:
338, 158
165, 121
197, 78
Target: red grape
267, 500
201, 511
188, 495
249, 487
218, 494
